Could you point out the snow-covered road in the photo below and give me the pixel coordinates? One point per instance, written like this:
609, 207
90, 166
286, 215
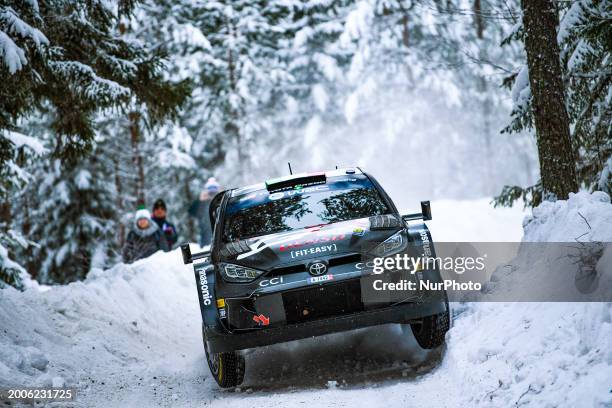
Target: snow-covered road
130, 336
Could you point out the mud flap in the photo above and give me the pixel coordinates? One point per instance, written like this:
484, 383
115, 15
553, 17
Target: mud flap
420, 238
205, 282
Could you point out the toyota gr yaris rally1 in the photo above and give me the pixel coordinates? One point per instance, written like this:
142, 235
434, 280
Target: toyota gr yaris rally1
294, 257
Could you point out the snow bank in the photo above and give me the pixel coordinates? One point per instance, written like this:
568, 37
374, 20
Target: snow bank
540, 354
113, 321
584, 217
130, 336
533, 354
566, 253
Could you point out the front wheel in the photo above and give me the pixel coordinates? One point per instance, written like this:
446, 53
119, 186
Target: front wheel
431, 330
227, 368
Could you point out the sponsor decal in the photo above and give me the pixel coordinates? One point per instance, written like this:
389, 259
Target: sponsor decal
364, 265
222, 313
315, 250
311, 241
291, 239
206, 298
317, 268
271, 282
290, 193
261, 320
425, 242
358, 231
319, 279
276, 196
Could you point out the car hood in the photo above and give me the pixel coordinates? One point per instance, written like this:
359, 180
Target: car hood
304, 245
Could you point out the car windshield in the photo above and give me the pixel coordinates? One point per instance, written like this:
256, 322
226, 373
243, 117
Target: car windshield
340, 199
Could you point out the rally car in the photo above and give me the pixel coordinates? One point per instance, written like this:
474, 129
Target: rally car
294, 257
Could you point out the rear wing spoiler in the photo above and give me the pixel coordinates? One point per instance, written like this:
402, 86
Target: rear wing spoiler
188, 257
425, 213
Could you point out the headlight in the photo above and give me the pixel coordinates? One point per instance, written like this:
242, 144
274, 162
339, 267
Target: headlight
395, 243
238, 273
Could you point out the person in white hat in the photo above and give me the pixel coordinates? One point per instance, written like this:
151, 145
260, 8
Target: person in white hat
199, 210
144, 239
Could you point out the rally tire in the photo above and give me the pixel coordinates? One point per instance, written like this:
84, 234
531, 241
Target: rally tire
226, 368
430, 332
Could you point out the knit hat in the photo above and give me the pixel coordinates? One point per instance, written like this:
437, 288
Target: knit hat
212, 185
159, 203
143, 213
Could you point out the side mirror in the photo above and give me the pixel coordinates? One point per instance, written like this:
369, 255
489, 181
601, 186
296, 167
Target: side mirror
426, 210
425, 213
188, 257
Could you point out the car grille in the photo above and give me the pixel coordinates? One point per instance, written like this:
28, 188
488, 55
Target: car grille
336, 261
323, 301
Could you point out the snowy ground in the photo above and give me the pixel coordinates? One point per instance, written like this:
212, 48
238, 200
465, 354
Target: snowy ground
475, 221
130, 336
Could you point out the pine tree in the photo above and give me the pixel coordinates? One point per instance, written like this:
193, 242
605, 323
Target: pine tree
584, 37
261, 69
317, 64
77, 65
63, 62
434, 62
73, 220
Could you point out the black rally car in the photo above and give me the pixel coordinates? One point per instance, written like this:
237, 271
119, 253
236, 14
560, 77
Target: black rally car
295, 257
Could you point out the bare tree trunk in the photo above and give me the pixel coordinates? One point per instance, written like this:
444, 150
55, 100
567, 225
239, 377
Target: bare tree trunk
478, 20
557, 162
232, 127
484, 101
119, 205
5, 213
134, 118
405, 32
485, 128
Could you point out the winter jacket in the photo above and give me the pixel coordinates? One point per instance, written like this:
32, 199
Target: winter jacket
168, 229
143, 243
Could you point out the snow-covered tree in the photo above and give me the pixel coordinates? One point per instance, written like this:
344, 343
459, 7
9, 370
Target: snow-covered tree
64, 62
66, 54
422, 76
73, 221
22, 151
583, 35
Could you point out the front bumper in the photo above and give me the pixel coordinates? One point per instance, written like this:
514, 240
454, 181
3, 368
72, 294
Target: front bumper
221, 341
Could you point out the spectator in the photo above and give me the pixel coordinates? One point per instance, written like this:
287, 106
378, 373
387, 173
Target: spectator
199, 210
159, 217
144, 239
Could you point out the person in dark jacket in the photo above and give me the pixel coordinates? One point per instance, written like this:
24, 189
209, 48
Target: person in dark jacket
199, 210
144, 239
159, 217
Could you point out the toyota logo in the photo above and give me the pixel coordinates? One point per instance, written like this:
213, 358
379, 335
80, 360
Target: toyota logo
317, 268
